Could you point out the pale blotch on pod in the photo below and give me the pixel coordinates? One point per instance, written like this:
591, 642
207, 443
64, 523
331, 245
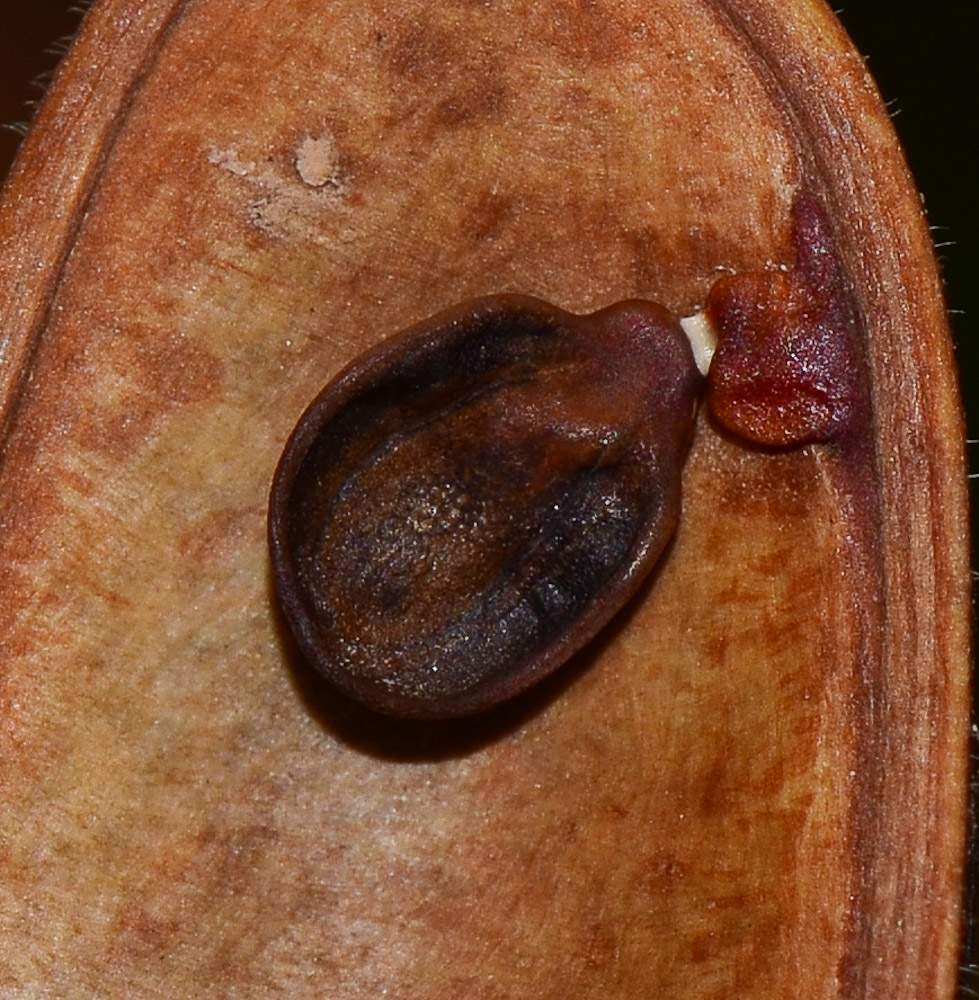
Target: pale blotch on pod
468, 504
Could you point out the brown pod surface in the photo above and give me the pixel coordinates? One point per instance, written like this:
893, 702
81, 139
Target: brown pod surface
467, 505
755, 785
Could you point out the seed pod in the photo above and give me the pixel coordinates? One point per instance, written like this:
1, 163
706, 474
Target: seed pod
468, 504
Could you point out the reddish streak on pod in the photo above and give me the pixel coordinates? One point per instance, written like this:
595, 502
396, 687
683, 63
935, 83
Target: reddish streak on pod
468, 504
786, 370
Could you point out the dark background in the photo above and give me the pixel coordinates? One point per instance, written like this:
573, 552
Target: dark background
921, 52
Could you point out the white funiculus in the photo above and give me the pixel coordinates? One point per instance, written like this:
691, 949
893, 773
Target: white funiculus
703, 339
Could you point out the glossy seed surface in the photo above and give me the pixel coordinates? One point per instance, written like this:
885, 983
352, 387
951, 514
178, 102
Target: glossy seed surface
467, 505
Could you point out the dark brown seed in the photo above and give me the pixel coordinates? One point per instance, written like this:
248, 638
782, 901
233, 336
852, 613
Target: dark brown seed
467, 505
